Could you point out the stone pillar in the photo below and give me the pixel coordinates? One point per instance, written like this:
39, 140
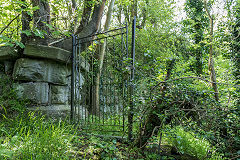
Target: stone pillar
43, 75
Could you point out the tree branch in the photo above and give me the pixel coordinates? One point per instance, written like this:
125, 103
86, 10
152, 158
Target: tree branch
9, 23
191, 77
208, 12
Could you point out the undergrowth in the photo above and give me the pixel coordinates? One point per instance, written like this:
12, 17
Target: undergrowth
31, 136
8, 97
187, 142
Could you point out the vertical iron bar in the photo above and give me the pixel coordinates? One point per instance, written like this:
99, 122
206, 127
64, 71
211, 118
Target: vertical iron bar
80, 86
127, 38
124, 96
99, 85
92, 82
119, 82
73, 76
76, 84
130, 116
114, 81
123, 93
111, 90
89, 86
85, 90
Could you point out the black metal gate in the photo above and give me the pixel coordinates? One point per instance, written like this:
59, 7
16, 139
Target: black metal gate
101, 90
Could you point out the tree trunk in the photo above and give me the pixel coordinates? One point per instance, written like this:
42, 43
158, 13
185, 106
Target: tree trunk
130, 11
119, 14
198, 53
211, 61
236, 52
100, 58
73, 15
85, 16
94, 23
88, 25
40, 17
25, 24
134, 8
144, 16
74, 8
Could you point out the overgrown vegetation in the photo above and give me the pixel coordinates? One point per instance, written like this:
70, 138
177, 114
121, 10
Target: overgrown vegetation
8, 97
187, 87
32, 137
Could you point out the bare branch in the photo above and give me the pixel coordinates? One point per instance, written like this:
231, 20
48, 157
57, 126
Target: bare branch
191, 77
9, 23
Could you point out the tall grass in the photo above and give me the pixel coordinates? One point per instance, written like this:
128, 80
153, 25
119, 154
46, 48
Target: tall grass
31, 136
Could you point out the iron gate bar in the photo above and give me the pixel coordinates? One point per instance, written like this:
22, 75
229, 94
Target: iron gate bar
73, 77
96, 39
102, 33
131, 114
124, 93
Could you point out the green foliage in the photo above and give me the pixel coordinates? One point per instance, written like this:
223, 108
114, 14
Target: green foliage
109, 125
186, 100
188, 142
9, 100
105, 150
189, 101
30, 136
10, 24
236, 49
195, 25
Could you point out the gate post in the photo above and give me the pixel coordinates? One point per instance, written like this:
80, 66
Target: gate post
130, 115
73, 76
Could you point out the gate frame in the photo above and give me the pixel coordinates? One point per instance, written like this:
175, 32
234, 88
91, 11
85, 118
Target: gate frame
131, 99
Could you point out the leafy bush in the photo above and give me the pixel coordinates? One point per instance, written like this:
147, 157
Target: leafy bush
189, 143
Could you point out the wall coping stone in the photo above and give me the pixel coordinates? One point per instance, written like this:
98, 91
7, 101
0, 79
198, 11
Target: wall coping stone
8, 53
54, 107
52, 53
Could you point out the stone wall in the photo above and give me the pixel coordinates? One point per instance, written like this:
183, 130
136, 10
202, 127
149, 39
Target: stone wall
41, 75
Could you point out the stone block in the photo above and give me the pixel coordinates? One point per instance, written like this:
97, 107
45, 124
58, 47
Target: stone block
8, 67
53, 111
2, 67
40, 71
5, 83
52, 53
37, 93
79, 82
1, 79
59, 94
8, 53
84, 64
